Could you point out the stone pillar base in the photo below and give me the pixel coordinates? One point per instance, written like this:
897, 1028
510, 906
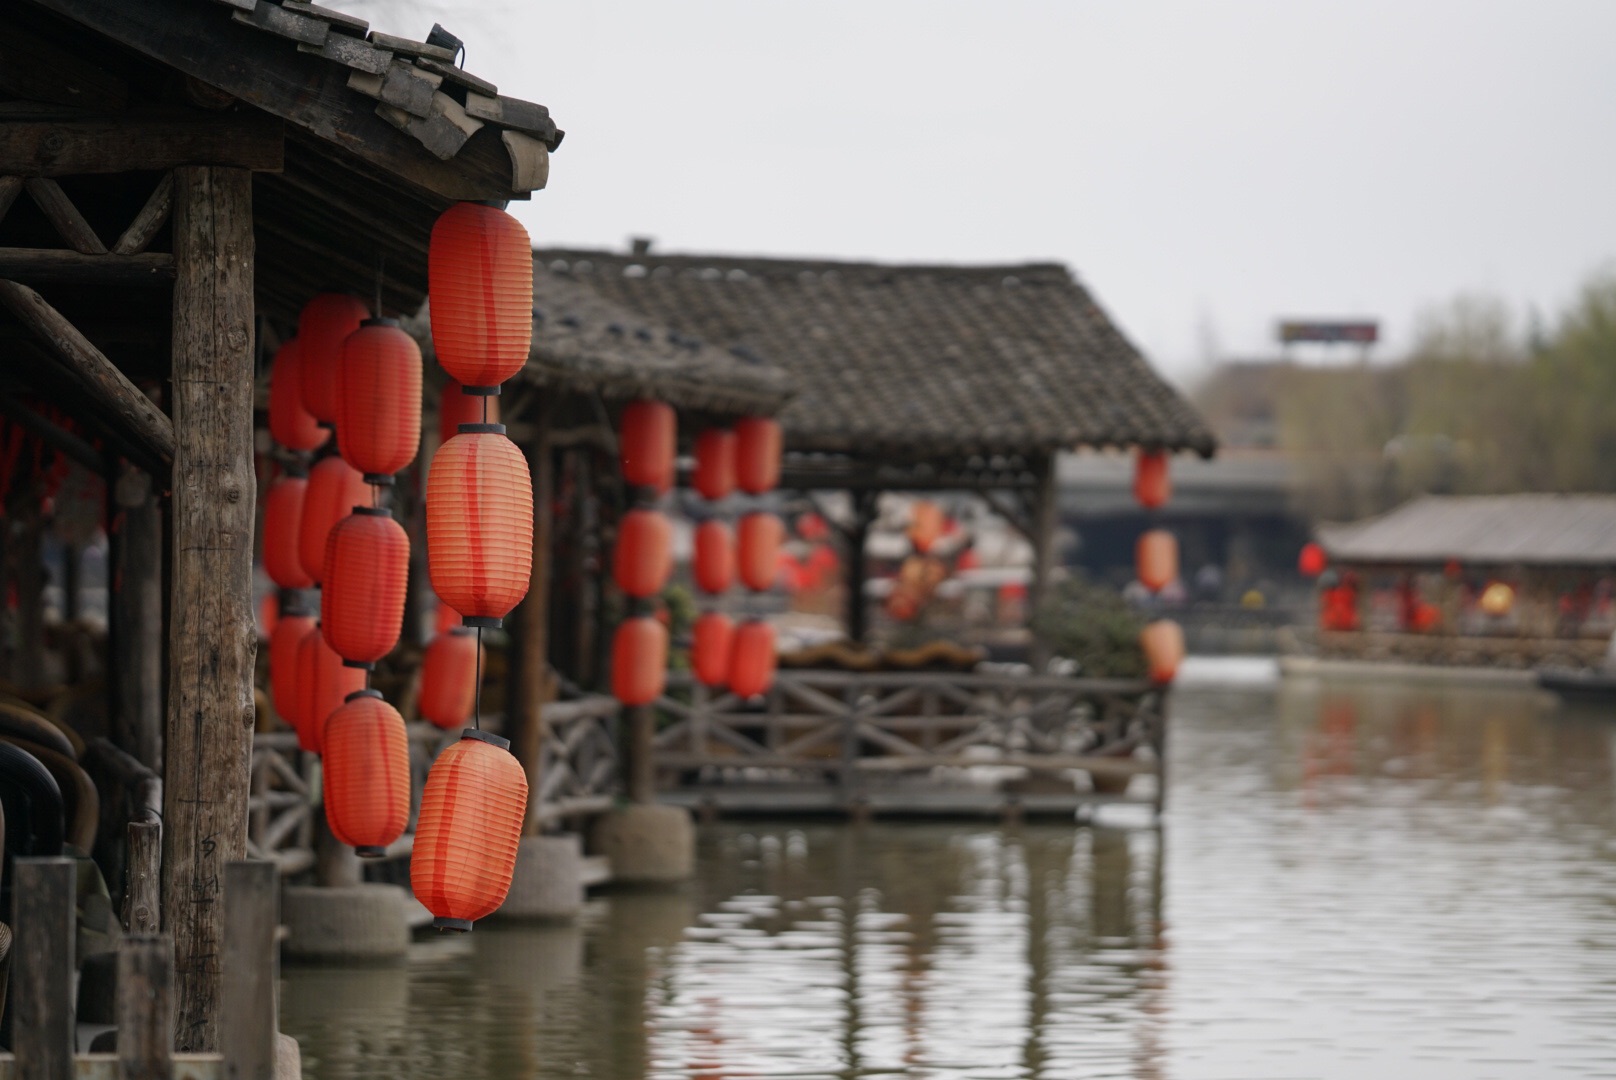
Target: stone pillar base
348, 922
548, 883
647, 844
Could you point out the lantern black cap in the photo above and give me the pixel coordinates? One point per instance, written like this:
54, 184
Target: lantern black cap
367, 692
459, 926
380, 321
362, 665
479, 735
376, 479
481, 391
370, 851
373, 511
482, 429
483, 622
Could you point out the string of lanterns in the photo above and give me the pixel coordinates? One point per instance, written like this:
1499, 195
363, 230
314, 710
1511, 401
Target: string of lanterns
647, 441
1156, 567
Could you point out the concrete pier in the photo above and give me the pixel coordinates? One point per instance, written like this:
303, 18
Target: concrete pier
646, 844
368, 922
549, 882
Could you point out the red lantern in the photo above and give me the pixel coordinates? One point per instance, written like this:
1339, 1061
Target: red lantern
480, 283
1312, 561
379, 400
323, 683
288, 635
714, 476
444, 618
647, 442
325, 323
639, 660
470, 825
714, 561
1163, 645
759, 538
752, 660
455, 407
1152, 486
449, 678
479, 525
366, 773
757, 454
925, 525
334, 489
283, 520
1156, 559
290, 422
367, 569
644, 555
712, 639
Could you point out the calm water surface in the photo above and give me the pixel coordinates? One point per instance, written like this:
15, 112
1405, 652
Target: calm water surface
1351, 882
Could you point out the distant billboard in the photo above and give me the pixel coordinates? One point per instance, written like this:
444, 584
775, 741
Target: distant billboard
1360, 332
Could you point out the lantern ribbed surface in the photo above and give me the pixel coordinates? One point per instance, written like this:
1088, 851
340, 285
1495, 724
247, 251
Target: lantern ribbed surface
714, 475
334, 489
449, 678
758, 540
290, 422
468, 831
711, 642
1152, 485
480, 284
713, 560
367, 568
647, 440
1156, 559
1163, 645
366, 773
643, 557
283, 522
757, 454
379, 399
479, 526
284, 643
326, 321
323, 683
456, 408
639, 660
752, 659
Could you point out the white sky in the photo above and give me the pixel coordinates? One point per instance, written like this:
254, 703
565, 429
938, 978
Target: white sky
1205, 167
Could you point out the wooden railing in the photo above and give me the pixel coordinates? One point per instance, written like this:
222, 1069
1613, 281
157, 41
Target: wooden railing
581, 767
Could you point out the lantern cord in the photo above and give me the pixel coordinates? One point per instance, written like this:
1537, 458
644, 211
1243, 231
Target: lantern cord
381, 273
477, 698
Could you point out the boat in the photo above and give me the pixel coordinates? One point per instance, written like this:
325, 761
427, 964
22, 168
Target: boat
1592, 687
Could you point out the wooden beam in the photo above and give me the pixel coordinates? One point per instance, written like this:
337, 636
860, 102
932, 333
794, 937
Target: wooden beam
212, 644
864, 507
146, 1008
41, 992
44, 265
92, 372
63, 215
152, 216
135, 613
1043, 551
108, 144
251, 969
57, 438
10, 188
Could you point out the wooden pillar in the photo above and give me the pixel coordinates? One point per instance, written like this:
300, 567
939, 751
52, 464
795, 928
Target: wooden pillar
211, 640
639, 774
532, 688
858, 537
41, 990
135, 611
252, 910
1045, 511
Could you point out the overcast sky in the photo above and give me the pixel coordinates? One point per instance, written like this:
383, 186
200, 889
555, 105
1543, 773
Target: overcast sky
1205, 167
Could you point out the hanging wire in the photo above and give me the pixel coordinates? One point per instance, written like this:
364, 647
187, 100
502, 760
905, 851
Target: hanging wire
477, 700
381, 275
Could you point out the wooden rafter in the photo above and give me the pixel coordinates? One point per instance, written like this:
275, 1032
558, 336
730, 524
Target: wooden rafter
128, 142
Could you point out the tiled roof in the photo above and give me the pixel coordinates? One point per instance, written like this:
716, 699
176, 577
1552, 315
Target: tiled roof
1546, 530
911, 359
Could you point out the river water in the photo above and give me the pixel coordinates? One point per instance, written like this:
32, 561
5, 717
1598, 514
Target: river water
1351, 881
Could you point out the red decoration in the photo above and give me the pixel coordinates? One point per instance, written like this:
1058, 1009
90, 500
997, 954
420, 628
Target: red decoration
325, 323
644, 554
367, 569
714, 561
366, 773
449, 678
1312, 561
812, 527
283, 520
470, 825
639, 660
1163, 644
323, 683
290, 422
714, 476
712, 639
926, 524
480, 283
1152, 486
479, 525
752, 660
1156, 559
456, 408
757, 454
334, 489
646, 441
288, 635
379, 399
759, 538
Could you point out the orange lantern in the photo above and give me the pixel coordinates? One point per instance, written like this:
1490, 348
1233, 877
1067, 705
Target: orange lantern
367, 569
752, 660
290, 422
714, 476
456, 407
1152, 486
444, 618
1163, 645
925, 525
283, 520
323, 683
647, 442
712, 639
1312, 561
366, 773
479, 524
759, 539
466, 836
379, 400
449, 678
1156, 559
757, 454
325, 323
714, 557
639, 660
644, 554
288, 635
480, 283
334, 489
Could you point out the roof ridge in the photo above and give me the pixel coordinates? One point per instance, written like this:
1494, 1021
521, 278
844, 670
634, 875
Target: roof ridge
797, 264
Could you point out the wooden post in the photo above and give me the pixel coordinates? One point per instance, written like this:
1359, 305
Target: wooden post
42, 992
532, 687
141, 908
251, 912
1046, 506
211, 639
146, 1008
136, 617
640, 775
864, 506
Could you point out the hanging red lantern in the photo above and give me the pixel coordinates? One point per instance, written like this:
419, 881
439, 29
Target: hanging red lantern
283, 520
449, 678
711, 642
752, 659
926, 523
647, 441
470, 824
639, 660
455, 407
480, 284
1152, 486
714, 475
323, 683
290, 422
643, 557
479, 524
284, 642
325, 323
1312, 561
757, 454
334, 489
379, 400
366, 773
1163, 645
1156, 559
444, 618
714, 557
367, 570
759, 537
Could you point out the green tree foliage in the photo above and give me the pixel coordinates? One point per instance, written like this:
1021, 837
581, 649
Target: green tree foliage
1094, 626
